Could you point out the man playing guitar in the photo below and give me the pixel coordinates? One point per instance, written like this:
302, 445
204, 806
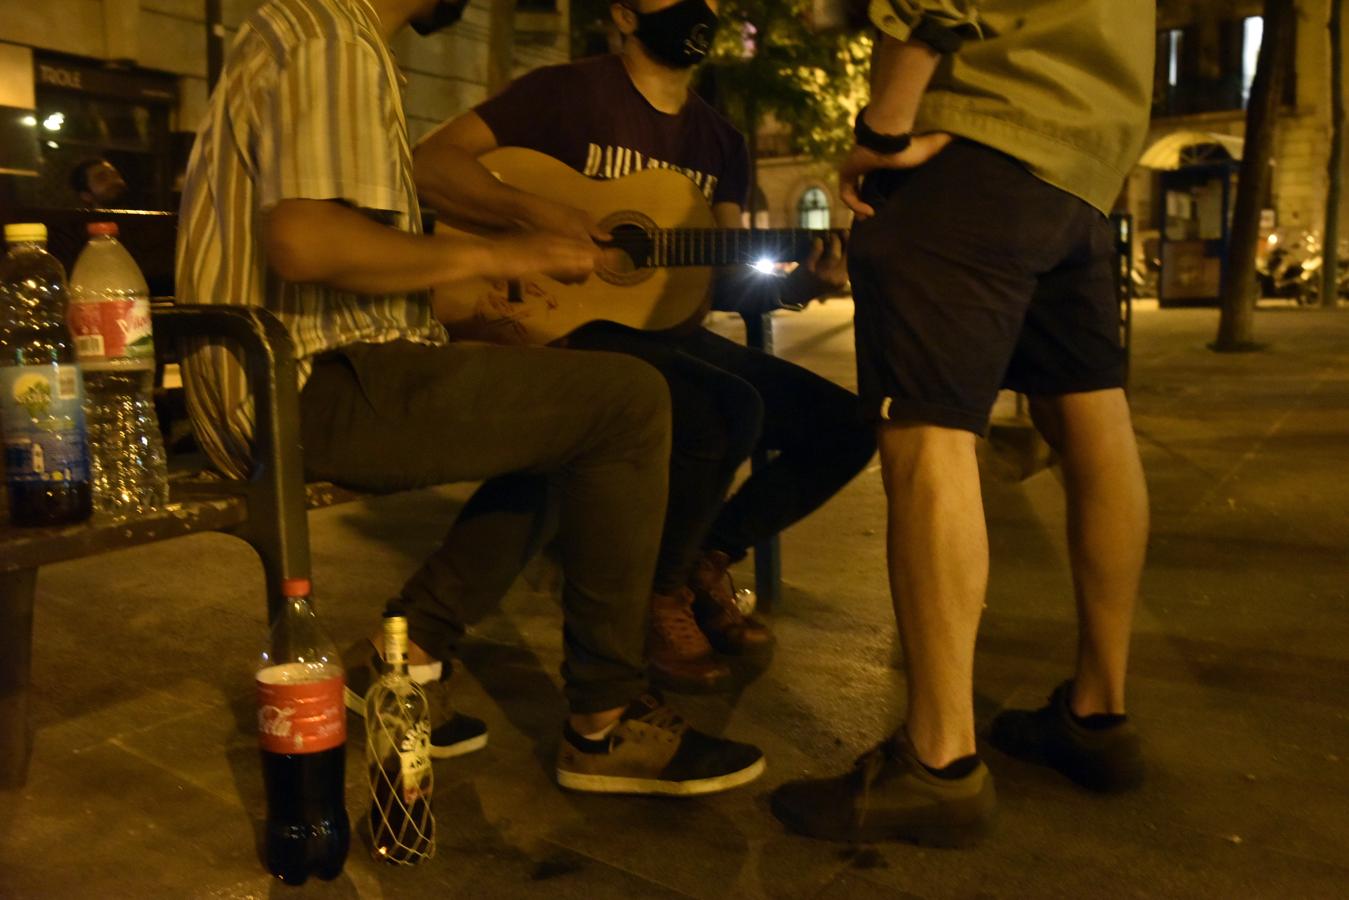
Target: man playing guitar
607, 117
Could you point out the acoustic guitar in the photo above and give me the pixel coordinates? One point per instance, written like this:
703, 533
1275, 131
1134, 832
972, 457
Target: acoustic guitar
656, 274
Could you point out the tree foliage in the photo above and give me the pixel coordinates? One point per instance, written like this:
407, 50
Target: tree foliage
770, 61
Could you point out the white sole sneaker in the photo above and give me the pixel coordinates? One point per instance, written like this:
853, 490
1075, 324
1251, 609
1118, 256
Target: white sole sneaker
461, 748
356, 703
617, 784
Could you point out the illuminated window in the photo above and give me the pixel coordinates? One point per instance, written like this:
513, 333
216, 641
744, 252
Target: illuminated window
1253, 30
813, 210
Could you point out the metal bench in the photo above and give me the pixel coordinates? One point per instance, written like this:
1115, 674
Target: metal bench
267, 511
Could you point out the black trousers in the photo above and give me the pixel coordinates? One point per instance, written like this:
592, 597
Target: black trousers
728, 399
725, 399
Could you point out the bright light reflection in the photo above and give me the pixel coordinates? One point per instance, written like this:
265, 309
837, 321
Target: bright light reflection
766, 266
54, 121
30, 121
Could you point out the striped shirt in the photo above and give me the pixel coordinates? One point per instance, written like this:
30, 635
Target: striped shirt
309, 106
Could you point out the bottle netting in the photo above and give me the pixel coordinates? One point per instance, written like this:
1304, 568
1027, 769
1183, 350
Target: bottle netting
401, 832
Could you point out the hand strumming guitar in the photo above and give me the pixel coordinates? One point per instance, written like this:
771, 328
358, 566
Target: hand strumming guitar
558, 218
564, 259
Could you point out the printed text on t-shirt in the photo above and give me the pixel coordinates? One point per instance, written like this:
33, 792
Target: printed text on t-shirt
615, 162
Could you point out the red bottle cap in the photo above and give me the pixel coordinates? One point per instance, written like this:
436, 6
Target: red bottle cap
295, 587
98, 229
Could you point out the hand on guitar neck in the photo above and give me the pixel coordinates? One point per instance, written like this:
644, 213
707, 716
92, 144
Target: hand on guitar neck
823, 273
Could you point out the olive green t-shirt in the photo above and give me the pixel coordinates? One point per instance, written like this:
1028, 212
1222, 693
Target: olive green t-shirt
1065, 86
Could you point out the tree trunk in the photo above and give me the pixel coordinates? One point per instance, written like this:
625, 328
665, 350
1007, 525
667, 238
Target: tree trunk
1331, 246
1236, 324
215, 44
752, 142
500, 45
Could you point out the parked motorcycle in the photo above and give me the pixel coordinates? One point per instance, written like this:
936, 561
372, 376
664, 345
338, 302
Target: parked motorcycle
1290, 268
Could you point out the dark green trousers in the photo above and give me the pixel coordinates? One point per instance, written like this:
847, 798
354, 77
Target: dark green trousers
388, 417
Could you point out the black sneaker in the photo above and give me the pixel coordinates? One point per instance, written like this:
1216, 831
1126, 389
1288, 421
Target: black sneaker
452, 733
653, 750
1108, 760
890, 795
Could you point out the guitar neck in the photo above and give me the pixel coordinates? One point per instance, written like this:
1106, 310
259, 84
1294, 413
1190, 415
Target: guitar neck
674, 247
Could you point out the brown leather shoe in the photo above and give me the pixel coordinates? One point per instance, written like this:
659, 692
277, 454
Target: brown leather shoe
677, 651
714, 607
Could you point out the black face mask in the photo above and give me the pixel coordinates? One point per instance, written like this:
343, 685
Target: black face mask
679, 36
446, 13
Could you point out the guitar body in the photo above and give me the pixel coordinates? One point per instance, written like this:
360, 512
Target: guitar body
539, 310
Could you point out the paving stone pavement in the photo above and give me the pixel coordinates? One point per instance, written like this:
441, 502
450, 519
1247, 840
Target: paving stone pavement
145, 780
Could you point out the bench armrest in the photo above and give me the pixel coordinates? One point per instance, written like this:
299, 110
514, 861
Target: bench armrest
275, 490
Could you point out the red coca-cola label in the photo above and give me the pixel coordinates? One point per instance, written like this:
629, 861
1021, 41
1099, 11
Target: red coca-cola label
298, 713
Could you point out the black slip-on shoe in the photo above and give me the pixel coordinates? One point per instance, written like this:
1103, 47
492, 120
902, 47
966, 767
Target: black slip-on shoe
1106, 760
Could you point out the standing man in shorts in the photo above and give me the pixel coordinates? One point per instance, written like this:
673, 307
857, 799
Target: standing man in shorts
998, 136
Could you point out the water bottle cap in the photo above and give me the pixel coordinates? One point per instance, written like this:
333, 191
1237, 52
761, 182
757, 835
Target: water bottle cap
295, 587
25, 232
98, 229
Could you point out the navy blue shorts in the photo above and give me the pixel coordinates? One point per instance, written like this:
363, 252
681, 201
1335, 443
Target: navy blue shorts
975, 275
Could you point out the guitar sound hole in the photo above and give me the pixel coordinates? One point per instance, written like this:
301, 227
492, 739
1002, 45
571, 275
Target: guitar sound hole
627, 260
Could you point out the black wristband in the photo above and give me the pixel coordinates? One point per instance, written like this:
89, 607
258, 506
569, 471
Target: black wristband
873, 140
937, 36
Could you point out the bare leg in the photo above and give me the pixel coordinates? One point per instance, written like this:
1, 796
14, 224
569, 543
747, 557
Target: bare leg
938, 559
590, 723
1107, 533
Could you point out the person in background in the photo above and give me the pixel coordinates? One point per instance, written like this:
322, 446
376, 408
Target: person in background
98, 184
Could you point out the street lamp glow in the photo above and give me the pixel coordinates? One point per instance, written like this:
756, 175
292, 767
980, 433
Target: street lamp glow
54, 121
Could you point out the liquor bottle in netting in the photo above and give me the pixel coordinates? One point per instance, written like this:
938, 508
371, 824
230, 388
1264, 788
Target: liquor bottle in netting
398, 757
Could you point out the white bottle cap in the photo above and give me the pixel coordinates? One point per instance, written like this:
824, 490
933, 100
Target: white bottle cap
25, 232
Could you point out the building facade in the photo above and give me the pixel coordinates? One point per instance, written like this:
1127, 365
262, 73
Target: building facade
128, 79
1205, 62
1206, 52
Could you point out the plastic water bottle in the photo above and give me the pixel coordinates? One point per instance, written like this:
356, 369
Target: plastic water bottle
110, 317
46, 463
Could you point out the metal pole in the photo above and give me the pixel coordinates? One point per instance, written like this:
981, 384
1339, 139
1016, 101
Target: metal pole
1330, 250
215, 43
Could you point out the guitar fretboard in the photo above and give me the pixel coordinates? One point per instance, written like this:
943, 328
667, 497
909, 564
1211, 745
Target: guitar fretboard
717, 246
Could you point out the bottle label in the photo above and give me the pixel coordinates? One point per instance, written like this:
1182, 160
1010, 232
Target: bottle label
297, 715
113, 331
414, 760
42, 419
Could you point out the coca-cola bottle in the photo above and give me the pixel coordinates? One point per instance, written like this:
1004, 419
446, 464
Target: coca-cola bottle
398, 757
302, 731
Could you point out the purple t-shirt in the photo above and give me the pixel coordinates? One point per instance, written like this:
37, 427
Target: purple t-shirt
589, 115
